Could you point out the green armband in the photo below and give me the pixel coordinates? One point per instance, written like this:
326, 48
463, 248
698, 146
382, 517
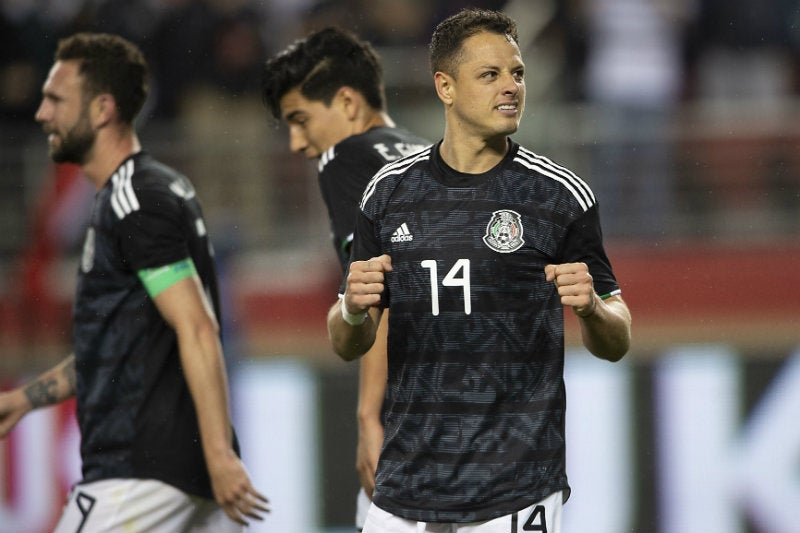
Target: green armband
157, 280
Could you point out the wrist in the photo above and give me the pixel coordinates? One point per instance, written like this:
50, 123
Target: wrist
586, 313
353, 319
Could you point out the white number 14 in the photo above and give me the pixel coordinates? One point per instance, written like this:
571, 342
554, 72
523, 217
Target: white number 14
458, 276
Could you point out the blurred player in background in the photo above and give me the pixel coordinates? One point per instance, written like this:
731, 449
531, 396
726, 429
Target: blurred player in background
158, 449
475, 245
328, 89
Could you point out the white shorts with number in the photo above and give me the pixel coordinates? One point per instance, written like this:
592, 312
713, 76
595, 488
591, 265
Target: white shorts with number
541, 517
139, 506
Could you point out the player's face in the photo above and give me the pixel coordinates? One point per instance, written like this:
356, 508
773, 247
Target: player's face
64, 117
313, 126
489, 87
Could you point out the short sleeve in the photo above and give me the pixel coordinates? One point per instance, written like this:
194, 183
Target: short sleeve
583, 243
152, 235
365, 244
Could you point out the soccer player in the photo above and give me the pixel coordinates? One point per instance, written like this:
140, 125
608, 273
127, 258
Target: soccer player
328, 89
475, 245
158, 449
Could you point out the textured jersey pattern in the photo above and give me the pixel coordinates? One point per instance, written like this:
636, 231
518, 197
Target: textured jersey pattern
475, 400
136, 415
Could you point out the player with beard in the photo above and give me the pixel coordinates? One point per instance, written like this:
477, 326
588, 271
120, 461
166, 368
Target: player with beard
328, 89
159, 453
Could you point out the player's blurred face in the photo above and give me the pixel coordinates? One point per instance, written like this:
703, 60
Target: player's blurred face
63, 115
488, 87
313, 126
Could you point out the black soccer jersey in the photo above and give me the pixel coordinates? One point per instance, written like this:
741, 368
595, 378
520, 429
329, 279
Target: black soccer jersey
135, 412
346, 168
475, 397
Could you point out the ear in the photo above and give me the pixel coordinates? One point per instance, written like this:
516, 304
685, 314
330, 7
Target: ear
445, 87
349, 101
102, 110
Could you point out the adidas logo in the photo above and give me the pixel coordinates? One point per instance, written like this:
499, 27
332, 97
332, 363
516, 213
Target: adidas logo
402, 234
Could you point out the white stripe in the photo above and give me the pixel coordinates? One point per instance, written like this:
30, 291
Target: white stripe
579, 189
120, 183
326, 158
123, 198
120, 212
396, 167
128, 186
582, 186
564, 182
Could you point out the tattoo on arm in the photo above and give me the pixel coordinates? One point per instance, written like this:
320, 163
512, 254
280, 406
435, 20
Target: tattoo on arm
43, 392
54, 386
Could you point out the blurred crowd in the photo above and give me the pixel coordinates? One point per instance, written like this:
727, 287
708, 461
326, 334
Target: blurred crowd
644, 53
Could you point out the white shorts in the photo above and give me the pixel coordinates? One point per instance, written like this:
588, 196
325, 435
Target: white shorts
362, 507
541, 517
139, 506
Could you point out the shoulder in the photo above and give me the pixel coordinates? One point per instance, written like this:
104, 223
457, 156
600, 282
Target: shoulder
554, 177
376, 146
142, 183
147, 172
392, 174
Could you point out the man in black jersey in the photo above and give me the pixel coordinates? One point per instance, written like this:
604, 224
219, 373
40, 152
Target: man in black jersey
158, 450
328, 88
475, 245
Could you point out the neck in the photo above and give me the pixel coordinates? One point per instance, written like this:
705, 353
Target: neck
472, 155
373, 119
108, 152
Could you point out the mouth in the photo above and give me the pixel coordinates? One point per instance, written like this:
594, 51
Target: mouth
508, 109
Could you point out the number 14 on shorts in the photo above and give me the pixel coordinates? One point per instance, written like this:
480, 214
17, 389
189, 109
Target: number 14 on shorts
537, 521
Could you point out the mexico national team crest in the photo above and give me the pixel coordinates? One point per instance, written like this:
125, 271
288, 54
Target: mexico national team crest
504, 232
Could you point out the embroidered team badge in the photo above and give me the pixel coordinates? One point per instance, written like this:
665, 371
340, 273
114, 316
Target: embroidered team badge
504, 232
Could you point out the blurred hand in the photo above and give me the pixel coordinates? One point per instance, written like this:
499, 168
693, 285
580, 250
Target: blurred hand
370, 440
233, 491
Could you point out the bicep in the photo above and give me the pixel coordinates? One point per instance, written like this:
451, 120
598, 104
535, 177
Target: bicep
184, 304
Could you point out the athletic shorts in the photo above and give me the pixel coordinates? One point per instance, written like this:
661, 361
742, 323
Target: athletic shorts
362, 506
541, 517
140, 506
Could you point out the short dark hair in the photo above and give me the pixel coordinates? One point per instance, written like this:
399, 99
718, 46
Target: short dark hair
450, 34
319, 65
109, 64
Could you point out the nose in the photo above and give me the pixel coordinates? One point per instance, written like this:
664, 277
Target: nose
297, 140
511, 84
42, 112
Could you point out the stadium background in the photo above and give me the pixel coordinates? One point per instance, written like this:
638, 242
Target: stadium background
692, 147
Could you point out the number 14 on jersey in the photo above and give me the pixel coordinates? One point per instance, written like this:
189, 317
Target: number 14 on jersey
457, 276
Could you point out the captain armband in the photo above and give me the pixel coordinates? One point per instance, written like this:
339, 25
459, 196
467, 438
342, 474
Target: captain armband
157, 280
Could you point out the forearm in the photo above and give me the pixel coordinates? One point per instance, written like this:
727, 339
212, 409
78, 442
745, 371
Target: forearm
53, 386
606, 332
372, 378
351, 342
204, 369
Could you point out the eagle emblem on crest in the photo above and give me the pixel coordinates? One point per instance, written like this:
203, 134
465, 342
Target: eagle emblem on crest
504, 231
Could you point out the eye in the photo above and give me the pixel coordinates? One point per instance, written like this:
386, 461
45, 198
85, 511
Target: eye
299, 121
489, 75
